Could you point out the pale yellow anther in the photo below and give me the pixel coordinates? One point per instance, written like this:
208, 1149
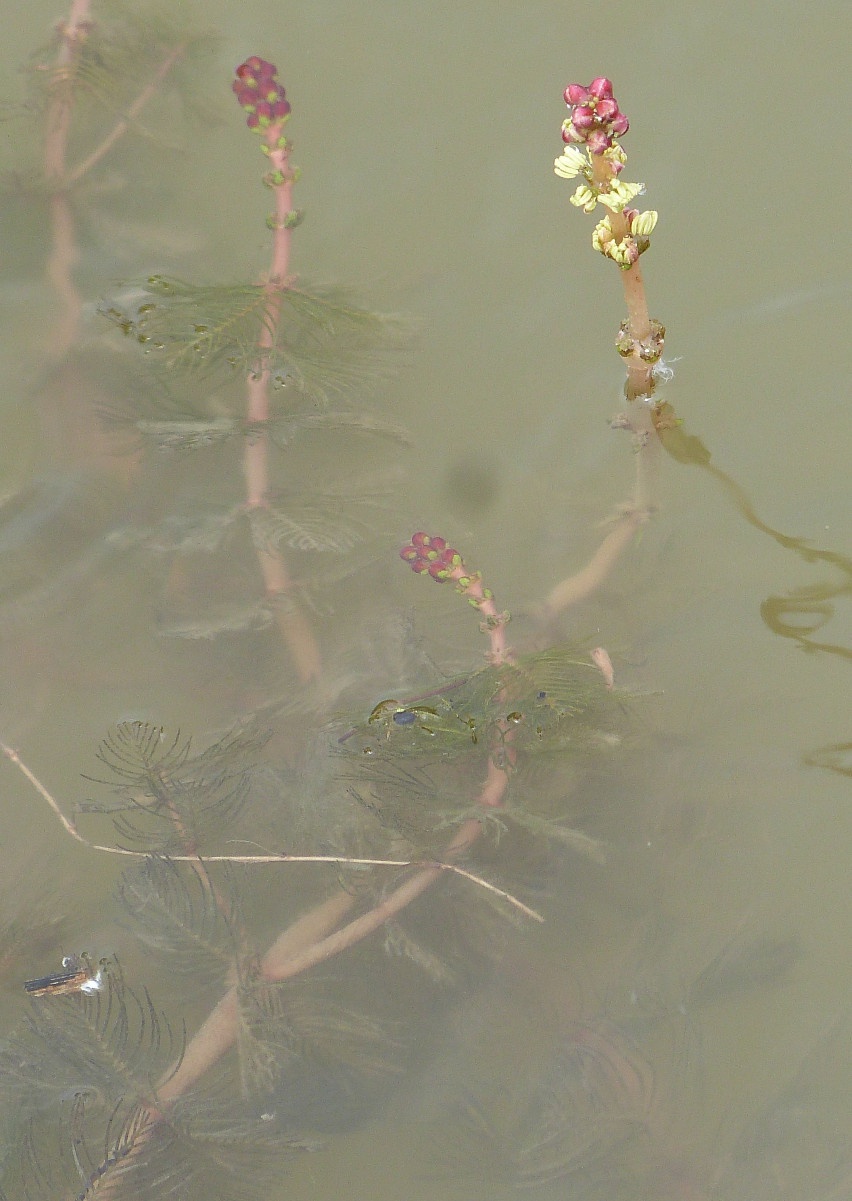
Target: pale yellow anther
571, 163
620, 194
643, 223
585, 198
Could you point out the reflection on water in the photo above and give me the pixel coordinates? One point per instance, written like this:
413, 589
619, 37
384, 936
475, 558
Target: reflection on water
379, 1025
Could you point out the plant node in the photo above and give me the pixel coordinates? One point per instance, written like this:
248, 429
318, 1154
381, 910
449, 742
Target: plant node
649, 349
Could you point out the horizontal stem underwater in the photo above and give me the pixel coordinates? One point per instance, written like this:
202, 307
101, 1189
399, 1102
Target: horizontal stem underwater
269, 857
299, 948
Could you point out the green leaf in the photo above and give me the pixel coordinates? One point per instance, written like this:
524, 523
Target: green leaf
319, 344
178, 913
170, 799
310, 526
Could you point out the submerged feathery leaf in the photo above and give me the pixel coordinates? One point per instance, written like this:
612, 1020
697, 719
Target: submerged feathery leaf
310, 526
115, 59
180, 914
168, 798
305, 1055
323, 344
109, 1042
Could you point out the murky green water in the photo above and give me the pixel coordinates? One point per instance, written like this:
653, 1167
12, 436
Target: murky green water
426, 135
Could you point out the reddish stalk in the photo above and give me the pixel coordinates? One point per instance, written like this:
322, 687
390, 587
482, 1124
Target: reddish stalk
123, 124
255, 82
64, 254
310, 940
313, 940
318, 936
595, 123
584, 583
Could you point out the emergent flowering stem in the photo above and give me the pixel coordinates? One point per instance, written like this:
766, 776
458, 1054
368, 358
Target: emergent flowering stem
263, 99
593, 154
443, 563
596, 122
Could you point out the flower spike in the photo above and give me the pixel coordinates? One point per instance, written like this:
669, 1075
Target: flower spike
260, 94
595, 116
426, 554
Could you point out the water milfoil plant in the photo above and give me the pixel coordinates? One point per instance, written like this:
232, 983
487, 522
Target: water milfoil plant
301, 352
414, 841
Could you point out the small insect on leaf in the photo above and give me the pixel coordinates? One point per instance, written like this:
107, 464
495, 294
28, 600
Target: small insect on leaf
78, 974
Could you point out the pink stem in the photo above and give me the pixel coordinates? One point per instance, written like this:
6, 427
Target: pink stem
64, 254
312, 940
121, 126
495, 623
293, 625
585, 582
639, 388
73, 33
306, 944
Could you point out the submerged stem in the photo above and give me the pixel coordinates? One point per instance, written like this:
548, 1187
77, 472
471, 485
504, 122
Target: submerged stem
294, 626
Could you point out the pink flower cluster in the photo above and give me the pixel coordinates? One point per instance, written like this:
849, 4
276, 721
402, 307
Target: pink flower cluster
595, 116
424, 553
260, 93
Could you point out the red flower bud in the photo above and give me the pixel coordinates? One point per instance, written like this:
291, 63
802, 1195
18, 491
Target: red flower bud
598, 141
583, 117
606, 109
601, 88
427, 554
575, 94
259, 92
619, 125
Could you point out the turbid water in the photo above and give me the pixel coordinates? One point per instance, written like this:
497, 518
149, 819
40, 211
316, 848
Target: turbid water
426, 138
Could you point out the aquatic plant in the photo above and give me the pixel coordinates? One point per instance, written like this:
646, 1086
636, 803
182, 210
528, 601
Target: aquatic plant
469, 797
308, 344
